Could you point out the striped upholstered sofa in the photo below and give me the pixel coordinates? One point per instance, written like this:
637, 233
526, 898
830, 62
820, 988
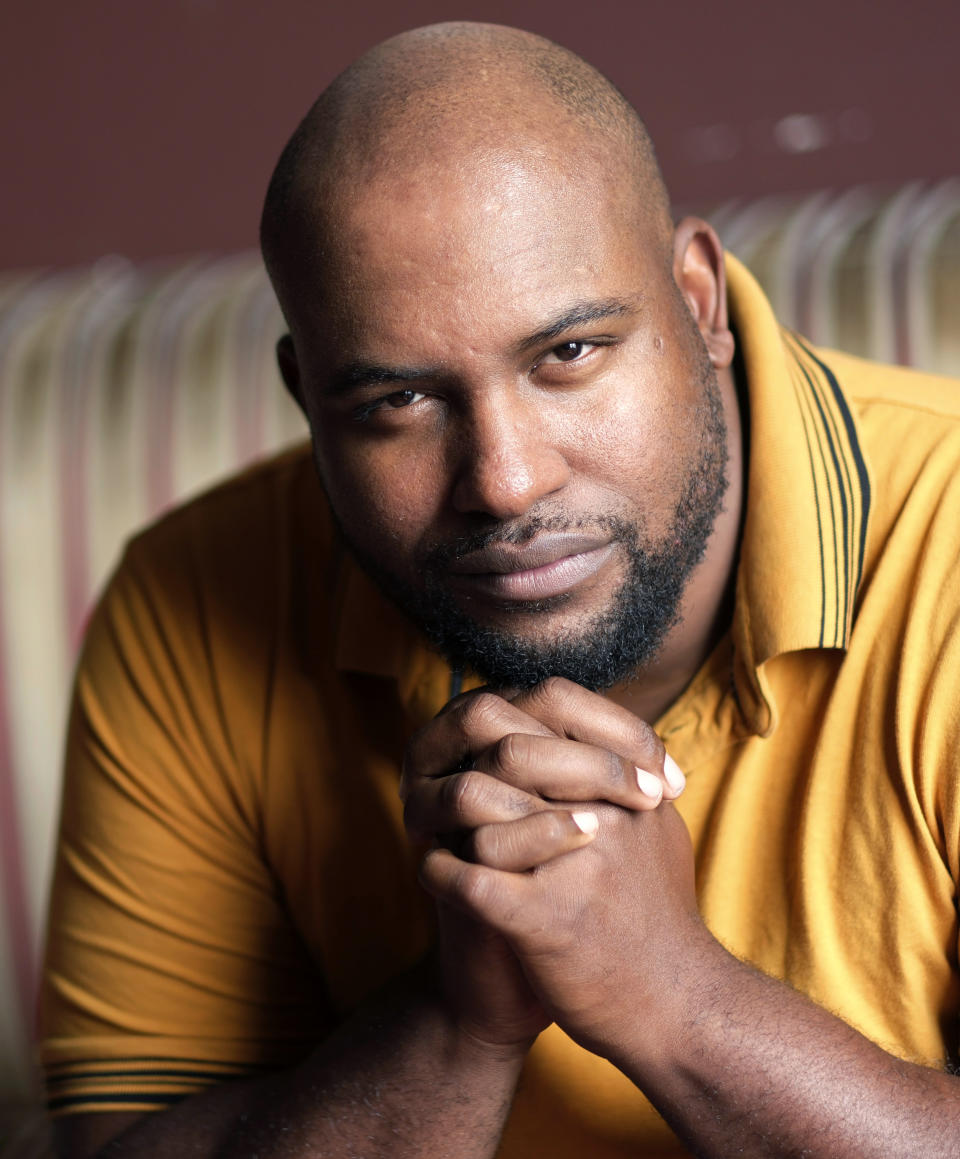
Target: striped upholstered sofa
124, 389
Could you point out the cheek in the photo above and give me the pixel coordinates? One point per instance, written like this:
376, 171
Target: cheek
632, 430
385, 500
637, 438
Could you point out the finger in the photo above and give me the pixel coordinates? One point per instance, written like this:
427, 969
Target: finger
466, 726
464, 801
568, 709
531, 841
497, 898
565, 770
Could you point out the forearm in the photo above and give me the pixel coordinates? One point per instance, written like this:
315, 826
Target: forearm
750, 1067
398, 1080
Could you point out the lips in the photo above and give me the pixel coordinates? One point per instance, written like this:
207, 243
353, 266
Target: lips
550, 565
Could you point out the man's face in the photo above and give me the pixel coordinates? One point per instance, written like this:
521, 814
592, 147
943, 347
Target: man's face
515, 418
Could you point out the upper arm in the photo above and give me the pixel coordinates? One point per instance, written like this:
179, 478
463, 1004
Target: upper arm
172, 963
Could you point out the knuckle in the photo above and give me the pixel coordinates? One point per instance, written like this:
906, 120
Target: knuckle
463, 793
648, 740
613, 766
479, 713
511, 846
484, 846
510, 752
555, 828
475, 886
456, 702
557, 689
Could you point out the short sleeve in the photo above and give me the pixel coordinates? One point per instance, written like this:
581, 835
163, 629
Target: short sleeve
171, 960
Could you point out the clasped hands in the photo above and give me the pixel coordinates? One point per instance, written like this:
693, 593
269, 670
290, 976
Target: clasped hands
563, 875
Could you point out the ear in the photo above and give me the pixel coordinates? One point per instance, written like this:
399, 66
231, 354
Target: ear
699, 273
289, 368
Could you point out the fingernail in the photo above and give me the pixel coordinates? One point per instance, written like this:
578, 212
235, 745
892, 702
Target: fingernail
675, 778
587, 823
649, 785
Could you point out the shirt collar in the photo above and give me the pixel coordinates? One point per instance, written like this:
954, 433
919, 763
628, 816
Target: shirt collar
808, 502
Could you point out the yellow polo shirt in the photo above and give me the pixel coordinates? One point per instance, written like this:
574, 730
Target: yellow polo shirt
233, 877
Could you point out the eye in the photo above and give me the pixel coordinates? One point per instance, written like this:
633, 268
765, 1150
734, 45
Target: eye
401, 398
567, 352
396, 400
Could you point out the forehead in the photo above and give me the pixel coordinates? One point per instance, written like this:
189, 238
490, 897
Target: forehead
458, 243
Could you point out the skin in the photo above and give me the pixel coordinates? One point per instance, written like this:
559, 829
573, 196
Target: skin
568, 893
500, 427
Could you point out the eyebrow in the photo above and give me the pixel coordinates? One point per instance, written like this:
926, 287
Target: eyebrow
580, 314
355, 375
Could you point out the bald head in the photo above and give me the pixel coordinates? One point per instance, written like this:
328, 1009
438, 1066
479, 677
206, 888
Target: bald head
443, 98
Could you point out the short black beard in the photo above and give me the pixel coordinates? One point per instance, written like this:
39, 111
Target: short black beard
614, 646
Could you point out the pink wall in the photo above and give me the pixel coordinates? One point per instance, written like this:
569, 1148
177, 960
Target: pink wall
150, 128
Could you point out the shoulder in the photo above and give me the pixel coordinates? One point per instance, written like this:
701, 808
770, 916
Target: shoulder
237, 550
908, 427
211, 600
877, 383
908, 616
259, 510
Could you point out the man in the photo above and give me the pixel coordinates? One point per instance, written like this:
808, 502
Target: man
539, 434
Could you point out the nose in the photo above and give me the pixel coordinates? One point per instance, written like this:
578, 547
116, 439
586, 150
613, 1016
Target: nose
506, 458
